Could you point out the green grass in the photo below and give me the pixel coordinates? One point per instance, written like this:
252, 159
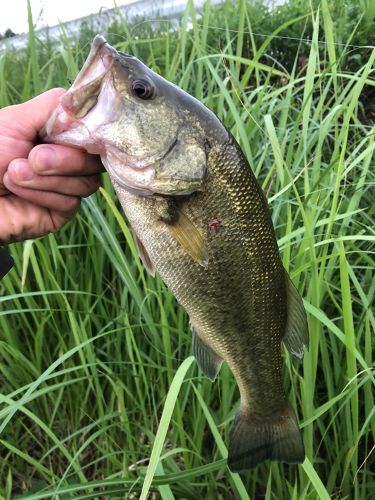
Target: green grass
99, 394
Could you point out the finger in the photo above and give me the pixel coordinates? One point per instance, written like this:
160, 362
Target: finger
63, 160
20, 173
29, 117
53, 201
22, 220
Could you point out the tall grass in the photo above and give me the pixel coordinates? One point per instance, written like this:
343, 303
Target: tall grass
99, 394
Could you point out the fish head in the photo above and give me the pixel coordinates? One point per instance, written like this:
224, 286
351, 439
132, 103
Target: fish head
150, 134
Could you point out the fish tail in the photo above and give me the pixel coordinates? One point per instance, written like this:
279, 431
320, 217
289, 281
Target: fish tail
254, 439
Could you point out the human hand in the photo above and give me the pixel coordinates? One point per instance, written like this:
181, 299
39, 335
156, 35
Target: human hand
41, 186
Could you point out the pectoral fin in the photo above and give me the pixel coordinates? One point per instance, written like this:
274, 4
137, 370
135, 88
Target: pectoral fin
296, 334
143, 254
207, 359
188, 236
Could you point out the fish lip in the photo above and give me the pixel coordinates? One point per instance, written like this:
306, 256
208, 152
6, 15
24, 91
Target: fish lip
106, 53
98, 42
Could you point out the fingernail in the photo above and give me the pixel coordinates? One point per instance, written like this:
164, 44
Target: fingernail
6, 179
23, 171
44, 158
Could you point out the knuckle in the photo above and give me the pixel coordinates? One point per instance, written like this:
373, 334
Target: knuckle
72, 204
43, 158
92, 183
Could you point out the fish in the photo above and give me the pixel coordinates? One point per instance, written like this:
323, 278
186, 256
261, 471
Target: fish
201, 221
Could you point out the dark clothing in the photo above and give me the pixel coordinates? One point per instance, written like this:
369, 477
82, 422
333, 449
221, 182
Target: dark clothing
6, 262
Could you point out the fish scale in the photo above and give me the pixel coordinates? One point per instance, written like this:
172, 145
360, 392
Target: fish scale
201, 220
243, 326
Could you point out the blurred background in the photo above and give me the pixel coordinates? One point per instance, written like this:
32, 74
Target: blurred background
99, 395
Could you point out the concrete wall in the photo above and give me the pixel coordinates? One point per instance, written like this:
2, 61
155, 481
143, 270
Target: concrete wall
150, 9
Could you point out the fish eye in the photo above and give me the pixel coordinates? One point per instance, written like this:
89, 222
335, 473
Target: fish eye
143, 89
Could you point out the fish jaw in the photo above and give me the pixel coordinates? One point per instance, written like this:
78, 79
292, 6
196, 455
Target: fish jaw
67, 124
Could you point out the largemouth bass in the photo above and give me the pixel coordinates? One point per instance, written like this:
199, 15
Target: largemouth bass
200, 220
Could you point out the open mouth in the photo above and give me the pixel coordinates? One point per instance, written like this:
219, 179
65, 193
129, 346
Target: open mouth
82, 96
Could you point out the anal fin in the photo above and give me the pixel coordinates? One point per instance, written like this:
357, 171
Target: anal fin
296, 337
207, 360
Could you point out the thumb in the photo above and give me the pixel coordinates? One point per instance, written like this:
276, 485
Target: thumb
32, 115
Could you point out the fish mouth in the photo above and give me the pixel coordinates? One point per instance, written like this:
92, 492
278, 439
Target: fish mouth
82, 96
88, 117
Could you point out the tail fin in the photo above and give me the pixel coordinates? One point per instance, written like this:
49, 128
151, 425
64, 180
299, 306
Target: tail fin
254, 439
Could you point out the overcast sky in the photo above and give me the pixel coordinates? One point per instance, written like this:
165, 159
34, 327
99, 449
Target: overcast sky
49, 12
